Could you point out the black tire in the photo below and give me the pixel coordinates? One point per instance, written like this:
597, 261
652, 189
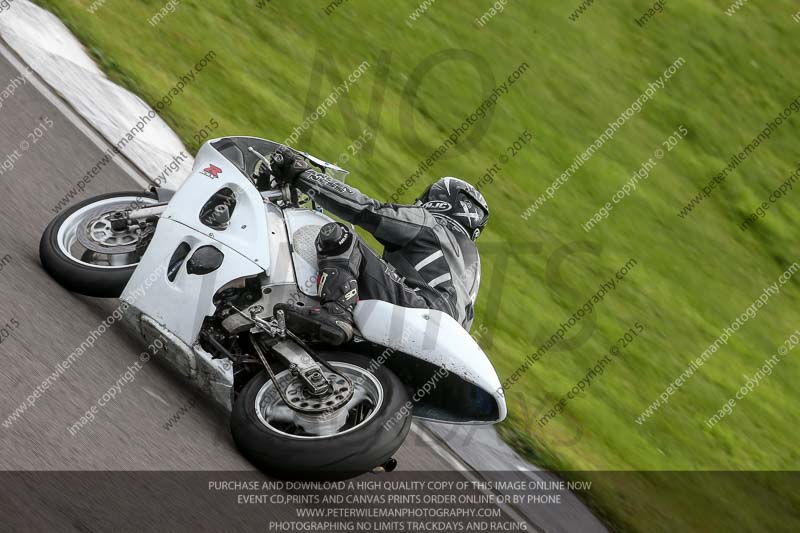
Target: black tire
77, 277
332, 458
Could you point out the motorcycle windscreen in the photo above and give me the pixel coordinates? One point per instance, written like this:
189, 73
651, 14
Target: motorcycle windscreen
303, 226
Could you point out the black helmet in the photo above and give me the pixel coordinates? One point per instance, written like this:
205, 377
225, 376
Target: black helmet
459, 202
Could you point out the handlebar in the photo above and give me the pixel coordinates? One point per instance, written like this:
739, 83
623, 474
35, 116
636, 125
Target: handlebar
285, 193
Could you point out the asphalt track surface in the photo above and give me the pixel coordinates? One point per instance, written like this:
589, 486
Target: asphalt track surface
44, 323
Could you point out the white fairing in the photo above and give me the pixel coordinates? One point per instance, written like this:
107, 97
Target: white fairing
248, 231
182, 305
432, 336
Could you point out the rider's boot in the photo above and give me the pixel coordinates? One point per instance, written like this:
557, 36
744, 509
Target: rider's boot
337, 286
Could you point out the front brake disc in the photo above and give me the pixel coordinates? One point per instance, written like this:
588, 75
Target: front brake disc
97, 235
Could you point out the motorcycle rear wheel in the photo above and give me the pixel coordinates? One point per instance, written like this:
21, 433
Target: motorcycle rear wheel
276, 440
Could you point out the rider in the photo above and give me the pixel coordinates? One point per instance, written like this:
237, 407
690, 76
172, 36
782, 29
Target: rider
429, 260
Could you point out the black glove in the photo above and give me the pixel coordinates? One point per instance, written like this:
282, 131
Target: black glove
287, 166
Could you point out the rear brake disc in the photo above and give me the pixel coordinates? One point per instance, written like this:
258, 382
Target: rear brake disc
299, 399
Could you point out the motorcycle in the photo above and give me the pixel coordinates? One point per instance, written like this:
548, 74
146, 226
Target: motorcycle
199, 270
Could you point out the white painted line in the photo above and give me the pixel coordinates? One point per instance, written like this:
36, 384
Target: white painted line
459, 465
444, 454
156, 396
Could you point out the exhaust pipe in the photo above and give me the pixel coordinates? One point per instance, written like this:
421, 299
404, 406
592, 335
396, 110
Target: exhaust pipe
386, 467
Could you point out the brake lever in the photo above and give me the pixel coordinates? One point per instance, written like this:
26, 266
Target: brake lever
261, 156
288, 193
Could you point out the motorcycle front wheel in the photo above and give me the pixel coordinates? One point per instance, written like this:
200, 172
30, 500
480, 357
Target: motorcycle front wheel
358, 437
81, 251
